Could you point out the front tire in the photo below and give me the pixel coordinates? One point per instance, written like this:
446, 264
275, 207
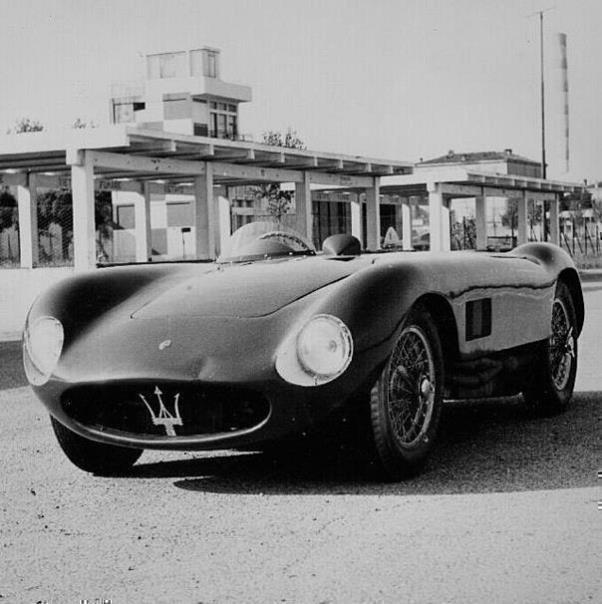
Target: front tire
91, 456
406, 400
550, 389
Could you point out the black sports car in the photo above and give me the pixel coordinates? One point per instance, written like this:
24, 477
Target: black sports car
273, 339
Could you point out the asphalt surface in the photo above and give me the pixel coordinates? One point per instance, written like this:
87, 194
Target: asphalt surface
506, 511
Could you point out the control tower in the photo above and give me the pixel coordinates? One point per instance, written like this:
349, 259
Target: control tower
182, 92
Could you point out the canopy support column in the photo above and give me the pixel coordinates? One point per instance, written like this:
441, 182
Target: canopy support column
356, 217
438, 219
555, 220
84, 231
204, 214
373, 215
481, 221
142, 221
303, 208
522, 235
406, 224
28, 223
224, 223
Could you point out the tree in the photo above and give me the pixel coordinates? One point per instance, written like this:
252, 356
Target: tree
55, 207
9, 215
290, 139
80, 124
279, 202
25, 124
510, 217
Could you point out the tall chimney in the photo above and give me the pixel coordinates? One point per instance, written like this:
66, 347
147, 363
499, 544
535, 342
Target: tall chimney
559, 92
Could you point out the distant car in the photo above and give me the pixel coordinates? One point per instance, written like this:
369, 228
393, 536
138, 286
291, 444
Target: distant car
273, 339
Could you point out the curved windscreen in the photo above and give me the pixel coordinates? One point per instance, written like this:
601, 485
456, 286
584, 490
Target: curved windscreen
261, 240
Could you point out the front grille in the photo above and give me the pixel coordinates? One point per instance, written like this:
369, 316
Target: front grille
151, 409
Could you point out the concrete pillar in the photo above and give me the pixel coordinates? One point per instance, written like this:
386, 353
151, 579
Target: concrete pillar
28, 223
142, 225
84, 231
481, 221
223, 223
438, 220
406, 225
522, 236
204, 214
555, 220
373, 215
356, 217
303, 208
445, 226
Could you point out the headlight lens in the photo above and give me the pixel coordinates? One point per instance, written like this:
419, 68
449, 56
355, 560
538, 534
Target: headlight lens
43, 342
324, 347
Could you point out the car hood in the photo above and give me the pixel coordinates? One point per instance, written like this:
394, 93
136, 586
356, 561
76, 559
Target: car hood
242, 290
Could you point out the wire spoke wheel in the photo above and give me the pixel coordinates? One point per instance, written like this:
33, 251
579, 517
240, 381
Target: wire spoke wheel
562, 345
411, 387
405, 402
549, 386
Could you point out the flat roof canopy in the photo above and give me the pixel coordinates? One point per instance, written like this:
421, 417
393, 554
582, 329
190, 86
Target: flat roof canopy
126, 152
460, 182
147, 161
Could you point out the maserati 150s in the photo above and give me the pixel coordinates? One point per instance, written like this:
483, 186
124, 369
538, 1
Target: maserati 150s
273, 339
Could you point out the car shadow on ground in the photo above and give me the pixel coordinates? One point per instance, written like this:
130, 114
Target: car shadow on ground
485, 447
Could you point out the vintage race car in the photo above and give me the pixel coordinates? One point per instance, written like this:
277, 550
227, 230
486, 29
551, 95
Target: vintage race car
273, 339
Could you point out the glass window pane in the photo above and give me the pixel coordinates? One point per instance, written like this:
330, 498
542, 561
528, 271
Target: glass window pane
196, 63
125, 217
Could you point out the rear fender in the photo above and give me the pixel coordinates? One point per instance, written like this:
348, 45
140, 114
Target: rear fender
560, 266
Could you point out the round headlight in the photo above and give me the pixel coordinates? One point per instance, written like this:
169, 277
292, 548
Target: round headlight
324, 346
43, 342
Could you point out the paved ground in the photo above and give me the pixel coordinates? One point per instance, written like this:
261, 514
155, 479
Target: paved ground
506, 512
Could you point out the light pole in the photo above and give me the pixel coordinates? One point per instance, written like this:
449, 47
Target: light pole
542, 88
543, 114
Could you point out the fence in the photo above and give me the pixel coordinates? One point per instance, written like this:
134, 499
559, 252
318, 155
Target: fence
54, 232
583, 241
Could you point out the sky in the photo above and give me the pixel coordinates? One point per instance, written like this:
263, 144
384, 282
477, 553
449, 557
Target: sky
391, 79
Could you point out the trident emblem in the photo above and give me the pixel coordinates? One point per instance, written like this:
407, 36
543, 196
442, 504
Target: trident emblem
164, 417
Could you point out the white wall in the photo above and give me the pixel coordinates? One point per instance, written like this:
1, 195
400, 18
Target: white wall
18, 289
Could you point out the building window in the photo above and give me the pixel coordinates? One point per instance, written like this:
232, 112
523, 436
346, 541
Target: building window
123, 113
223, 120
204, 62
211, 66
166, 65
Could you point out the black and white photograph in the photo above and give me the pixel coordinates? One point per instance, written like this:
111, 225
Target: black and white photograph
300, 301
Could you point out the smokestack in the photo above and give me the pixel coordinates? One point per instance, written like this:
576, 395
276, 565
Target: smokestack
560, 104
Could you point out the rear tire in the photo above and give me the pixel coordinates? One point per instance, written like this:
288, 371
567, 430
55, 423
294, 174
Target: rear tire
405, 402
550, 389
91, 456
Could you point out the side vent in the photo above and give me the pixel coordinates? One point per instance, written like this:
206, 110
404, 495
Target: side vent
478, 319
